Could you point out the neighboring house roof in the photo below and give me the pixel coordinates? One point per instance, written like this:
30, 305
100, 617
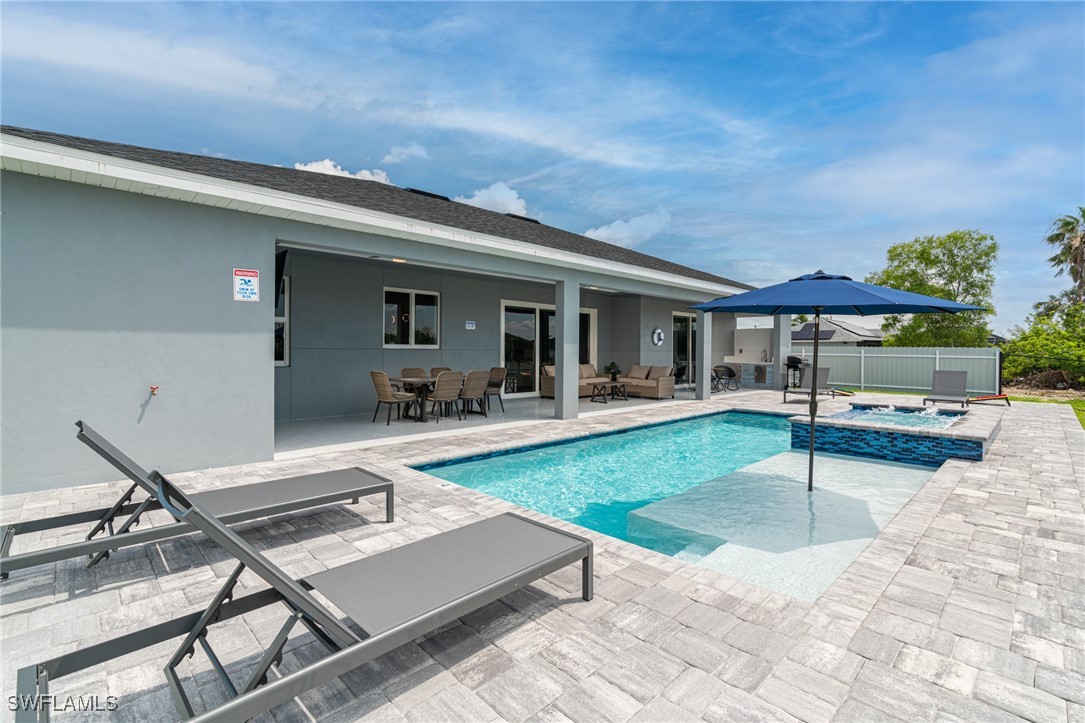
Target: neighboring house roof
375, 196
837, 331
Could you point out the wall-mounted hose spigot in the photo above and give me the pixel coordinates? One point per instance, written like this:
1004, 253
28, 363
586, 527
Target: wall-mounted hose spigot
154, 391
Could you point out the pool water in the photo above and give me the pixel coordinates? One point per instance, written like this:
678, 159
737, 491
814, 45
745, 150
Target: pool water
723, 491
596, 482
930, 418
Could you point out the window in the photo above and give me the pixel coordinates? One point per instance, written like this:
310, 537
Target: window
412, 318
282, 325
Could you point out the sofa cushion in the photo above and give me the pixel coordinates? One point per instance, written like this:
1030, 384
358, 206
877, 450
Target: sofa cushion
659, 372
548, 370
653, 383
639, 372
587, 371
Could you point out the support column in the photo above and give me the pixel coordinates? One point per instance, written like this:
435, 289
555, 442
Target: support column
704, 355
567, 351
781, 347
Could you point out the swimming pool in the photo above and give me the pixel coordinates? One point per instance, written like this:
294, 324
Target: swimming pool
597, 481
722, 491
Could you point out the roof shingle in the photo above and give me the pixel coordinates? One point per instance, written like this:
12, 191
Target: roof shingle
374, 196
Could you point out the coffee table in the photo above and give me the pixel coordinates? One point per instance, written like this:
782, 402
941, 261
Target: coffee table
605, 391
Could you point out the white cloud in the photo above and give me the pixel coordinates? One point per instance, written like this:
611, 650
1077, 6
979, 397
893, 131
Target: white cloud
334, 169
632, 231
160, 59
398, 154
497, 197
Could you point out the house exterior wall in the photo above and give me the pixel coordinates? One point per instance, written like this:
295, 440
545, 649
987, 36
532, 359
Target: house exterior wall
103, 298
337, 336
749, 343
107, 293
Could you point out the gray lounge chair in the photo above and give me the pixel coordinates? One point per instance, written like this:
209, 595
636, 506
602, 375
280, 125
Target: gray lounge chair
804, 383
948, 387
232, 504
393, 597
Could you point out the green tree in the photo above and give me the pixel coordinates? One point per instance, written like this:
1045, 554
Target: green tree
1067, 235
1052, 342
958, 266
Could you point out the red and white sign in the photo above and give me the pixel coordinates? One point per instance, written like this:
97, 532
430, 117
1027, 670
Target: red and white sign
246, 285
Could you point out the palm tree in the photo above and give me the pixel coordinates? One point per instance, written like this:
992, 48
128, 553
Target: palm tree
1067, 235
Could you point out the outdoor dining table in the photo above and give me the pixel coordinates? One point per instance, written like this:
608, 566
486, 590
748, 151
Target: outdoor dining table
421, 386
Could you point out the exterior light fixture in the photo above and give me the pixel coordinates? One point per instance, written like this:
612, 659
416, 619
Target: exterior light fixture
399, 261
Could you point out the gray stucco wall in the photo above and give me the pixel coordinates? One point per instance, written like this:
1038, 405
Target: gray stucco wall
336, 311
103, 298
105, 293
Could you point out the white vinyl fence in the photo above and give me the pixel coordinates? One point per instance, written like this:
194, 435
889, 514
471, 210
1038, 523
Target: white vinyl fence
907, 369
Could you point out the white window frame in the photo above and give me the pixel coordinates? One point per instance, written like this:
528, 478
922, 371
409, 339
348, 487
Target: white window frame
410, 328
285, 321
593, 337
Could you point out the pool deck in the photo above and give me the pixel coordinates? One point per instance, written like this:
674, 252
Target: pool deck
969, 606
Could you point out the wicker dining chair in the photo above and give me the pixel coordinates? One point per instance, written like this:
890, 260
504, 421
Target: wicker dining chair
387, 395
495, 385
433, 372
446, 392
474, 390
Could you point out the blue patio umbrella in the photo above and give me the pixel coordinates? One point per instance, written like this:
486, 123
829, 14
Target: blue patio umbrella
821, 293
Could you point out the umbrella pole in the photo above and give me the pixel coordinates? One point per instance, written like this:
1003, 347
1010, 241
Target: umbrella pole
814, 397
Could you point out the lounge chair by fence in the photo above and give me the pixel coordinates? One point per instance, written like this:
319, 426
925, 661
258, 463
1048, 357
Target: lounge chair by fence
948, 387
807, 377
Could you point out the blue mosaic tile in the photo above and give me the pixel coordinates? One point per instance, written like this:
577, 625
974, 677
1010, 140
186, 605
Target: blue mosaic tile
880, 444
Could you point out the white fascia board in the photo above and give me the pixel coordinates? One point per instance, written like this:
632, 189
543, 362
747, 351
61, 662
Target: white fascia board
46, 159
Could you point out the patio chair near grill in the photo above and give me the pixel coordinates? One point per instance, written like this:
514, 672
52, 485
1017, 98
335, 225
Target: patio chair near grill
446, 394
238, 503
393, 597
948, 387
402, 401
495, 384
807, 378
724, 379
474, 391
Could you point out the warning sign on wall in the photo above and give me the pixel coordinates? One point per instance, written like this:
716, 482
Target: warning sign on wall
246, 285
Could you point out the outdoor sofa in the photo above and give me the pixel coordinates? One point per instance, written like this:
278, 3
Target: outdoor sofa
656, 382
587, 377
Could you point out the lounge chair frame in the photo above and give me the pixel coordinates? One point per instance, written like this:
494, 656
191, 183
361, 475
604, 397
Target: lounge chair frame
242, 503
348, 649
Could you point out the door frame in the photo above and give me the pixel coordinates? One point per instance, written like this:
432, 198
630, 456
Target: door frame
593, 337
691, 344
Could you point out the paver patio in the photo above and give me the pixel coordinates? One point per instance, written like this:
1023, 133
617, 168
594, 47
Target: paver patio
970, 605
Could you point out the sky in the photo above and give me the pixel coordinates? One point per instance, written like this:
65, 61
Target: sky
757, 141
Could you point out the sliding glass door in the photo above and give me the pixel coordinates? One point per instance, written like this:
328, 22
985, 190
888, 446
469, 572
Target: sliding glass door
530, 342
684, 335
